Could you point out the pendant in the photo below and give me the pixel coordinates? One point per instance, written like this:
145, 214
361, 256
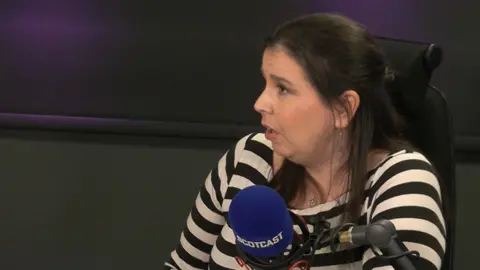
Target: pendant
312, 202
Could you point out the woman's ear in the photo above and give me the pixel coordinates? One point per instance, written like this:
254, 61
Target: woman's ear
345, 109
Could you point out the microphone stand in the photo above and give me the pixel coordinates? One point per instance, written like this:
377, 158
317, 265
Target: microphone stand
303, 249
383, 234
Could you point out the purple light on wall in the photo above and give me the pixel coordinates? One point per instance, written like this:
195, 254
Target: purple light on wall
55, 45
399, 19
53, 34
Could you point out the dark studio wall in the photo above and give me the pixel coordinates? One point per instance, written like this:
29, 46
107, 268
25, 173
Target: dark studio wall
80, 201
75, 198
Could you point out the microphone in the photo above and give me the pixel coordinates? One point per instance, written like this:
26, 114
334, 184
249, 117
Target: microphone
263, 229
383, 235
261, 222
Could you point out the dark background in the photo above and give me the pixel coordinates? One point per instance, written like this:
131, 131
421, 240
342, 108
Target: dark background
84, 200
152, 61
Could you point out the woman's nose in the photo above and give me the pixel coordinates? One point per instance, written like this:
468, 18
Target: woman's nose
263, 103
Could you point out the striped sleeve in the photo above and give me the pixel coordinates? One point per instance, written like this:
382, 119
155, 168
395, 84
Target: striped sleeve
206, 220
407, 193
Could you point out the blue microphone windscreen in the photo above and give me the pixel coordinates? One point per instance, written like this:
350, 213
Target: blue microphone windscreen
261, 221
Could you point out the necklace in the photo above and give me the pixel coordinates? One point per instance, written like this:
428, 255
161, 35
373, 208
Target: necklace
312, 202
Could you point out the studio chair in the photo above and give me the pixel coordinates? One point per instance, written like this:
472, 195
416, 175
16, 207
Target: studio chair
426, 113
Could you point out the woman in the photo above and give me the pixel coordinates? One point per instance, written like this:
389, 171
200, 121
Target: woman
332, 147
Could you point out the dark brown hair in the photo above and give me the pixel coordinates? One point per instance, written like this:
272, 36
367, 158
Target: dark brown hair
338, 54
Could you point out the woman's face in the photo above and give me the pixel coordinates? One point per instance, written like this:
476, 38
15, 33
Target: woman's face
299, 122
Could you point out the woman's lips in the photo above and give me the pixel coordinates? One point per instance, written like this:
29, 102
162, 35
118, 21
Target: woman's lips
271, 134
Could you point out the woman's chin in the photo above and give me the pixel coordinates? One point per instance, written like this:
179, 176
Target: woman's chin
288, 154
282, 151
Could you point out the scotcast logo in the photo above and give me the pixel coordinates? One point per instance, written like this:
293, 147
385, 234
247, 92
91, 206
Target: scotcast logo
261, 244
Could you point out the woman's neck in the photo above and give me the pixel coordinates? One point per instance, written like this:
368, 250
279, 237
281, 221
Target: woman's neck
329, 179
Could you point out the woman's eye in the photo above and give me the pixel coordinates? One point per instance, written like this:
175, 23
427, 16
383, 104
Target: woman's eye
282, 90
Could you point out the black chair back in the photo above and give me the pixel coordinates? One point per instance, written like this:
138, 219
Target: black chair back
425, 110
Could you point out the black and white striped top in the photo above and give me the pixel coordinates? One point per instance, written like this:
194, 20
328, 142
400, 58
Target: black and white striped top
402, 189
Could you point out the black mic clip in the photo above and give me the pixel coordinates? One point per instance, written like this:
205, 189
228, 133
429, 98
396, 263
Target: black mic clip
317, 237
302, 251
380, 234
383, 234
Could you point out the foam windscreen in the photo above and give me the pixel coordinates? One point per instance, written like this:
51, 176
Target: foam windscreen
261, 221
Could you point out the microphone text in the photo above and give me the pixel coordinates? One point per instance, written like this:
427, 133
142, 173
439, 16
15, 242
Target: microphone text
261, 244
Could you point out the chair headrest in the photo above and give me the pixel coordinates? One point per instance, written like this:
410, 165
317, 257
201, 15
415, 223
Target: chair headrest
412, 64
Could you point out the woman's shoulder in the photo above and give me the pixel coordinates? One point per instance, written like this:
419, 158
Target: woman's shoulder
404, 166
255, 145
405, 159
253, 161
257, 137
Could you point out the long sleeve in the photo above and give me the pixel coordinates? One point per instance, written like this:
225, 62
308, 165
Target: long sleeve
206, 219
407, 193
